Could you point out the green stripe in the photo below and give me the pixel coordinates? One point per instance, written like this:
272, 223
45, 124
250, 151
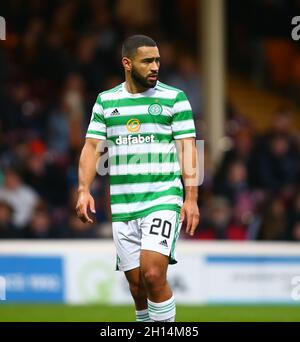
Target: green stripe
96, 132
98, 118
152, 307
166, 86
129, 179
143, 101
176, 235
142, 315
181, 97
183, 115
99, 100
141, 213
147, 118
142, 158
161, 311
187, 131
113, 90
144, 196
163, 138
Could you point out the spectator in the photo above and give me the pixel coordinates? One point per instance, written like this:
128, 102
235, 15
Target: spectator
296, 231
45, 175
278, 164
76, 229
293, 218
40, 226
7, 228
21, 197
274, 225
234, 183
218, 223
187, 79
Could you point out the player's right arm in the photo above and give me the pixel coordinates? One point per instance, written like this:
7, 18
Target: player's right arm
86, 175
96, 134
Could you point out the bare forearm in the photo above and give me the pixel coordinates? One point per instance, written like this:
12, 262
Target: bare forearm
87, 166
191, 193
189, 168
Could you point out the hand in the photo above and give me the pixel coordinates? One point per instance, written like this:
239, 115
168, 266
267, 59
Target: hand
190, 213
85, 201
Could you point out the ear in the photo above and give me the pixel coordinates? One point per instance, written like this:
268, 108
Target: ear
126, 63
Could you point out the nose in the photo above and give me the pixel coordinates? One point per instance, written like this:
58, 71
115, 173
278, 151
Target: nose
155, 66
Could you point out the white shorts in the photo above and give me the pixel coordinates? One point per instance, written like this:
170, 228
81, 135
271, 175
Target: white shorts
157, 232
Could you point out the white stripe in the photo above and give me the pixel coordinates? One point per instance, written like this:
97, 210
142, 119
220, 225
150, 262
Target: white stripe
181, 106
144, 187
119, 95
97, 126
126, 208
183, 125
116, 95
96, 136
140, 159
187, 135
135, 110
142, 148
146, 168
97, 109
148, 128
172, 92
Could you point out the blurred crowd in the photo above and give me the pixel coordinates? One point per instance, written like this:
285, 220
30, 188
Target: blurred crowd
260, 43
253, 194
57, 57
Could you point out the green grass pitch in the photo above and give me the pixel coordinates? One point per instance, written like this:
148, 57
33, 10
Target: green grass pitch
101, 313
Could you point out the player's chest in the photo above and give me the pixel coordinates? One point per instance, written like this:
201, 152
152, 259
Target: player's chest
136, 115
152, 110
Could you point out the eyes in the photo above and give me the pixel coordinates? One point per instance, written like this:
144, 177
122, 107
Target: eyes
151, 60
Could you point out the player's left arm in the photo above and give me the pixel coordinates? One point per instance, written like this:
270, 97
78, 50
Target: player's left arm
184, 134
190, 171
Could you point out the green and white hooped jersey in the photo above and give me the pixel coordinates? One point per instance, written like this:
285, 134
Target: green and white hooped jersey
140, 130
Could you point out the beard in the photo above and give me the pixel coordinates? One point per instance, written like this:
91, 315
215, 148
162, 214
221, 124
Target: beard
142, 81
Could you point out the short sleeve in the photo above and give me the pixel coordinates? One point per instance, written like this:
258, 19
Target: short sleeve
183, 125
97, 126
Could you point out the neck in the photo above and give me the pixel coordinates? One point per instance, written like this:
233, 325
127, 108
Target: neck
133, 87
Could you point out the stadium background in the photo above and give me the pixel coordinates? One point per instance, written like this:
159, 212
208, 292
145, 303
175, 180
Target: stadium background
240, 68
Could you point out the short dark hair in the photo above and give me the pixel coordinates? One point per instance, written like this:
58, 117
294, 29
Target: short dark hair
132, 43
